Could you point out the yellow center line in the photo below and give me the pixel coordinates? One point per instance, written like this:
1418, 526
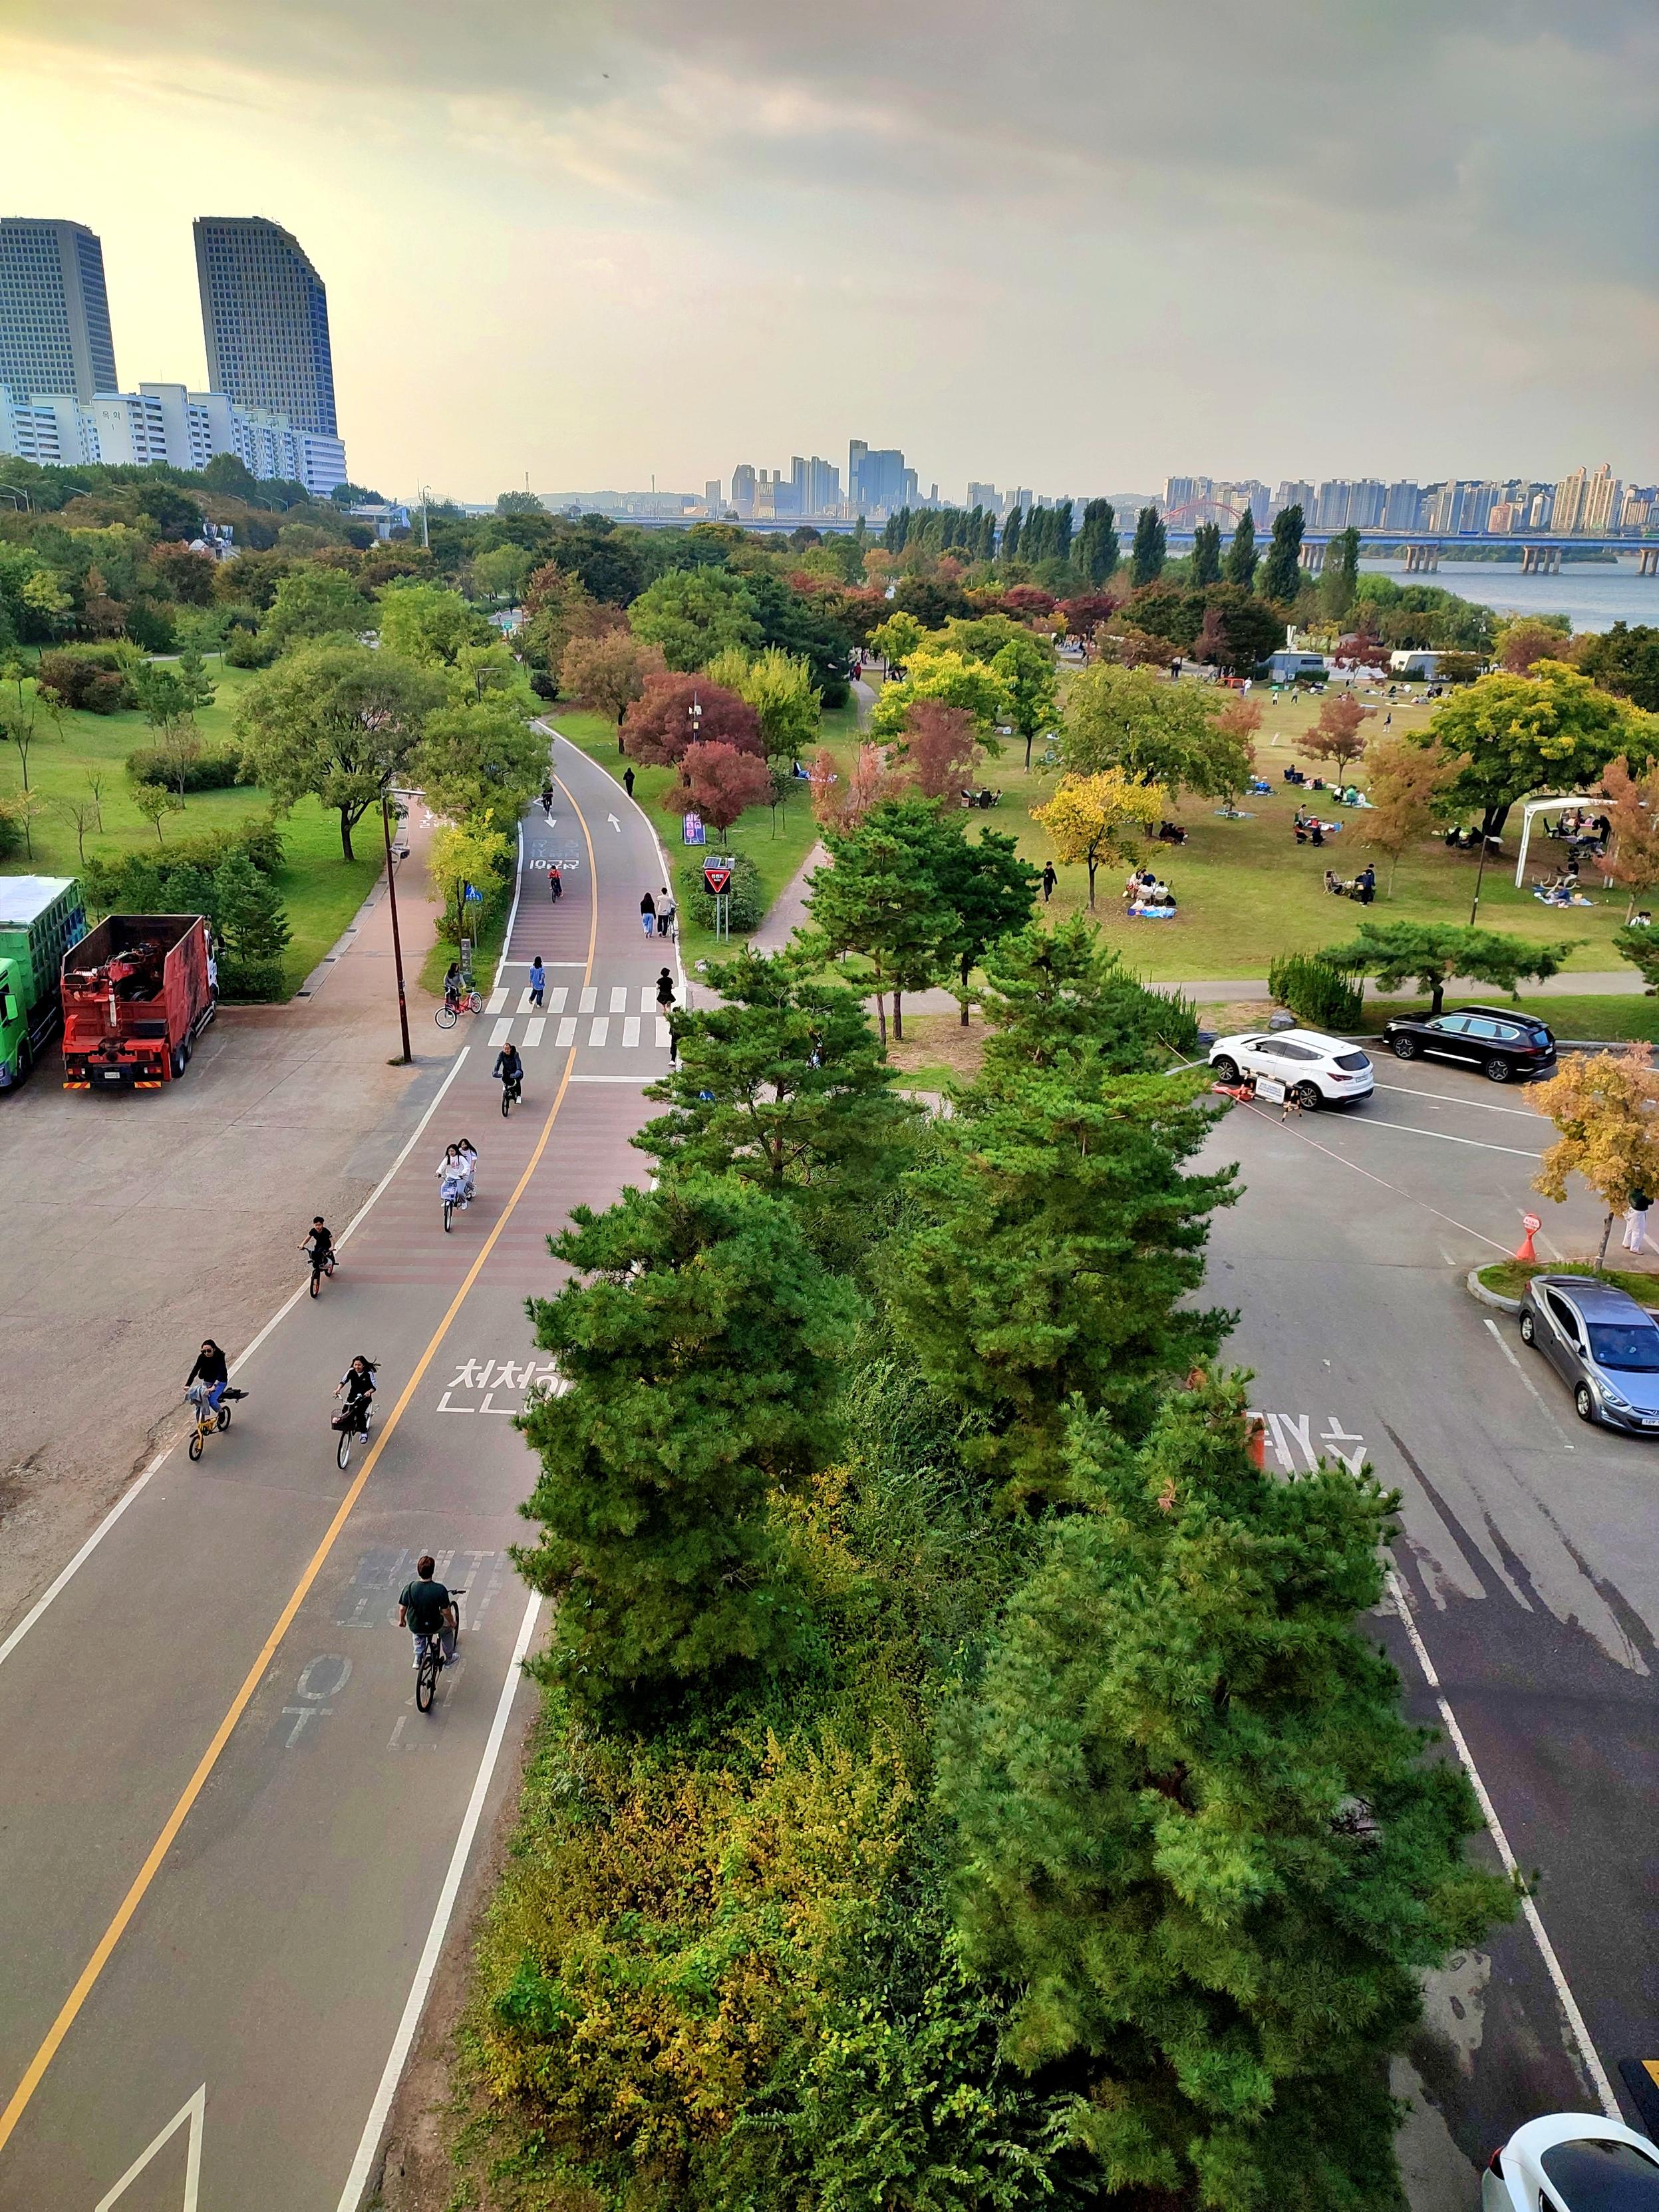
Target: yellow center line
221, 1735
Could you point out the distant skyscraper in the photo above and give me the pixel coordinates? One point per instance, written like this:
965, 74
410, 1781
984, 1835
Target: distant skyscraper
1401, 504
1330, 509
264, 317
879, 480
982, 495
822, 487
711, 494
54, 310
1602, 497
743, 489
1569, 508
1292, 493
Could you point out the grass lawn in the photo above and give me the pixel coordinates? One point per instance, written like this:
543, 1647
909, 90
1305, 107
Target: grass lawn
1247, 890
1508, 1278
777, 851
1592, 1017
320, 890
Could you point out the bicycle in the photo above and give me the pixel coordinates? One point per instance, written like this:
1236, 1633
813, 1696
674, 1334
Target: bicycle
319, 1269
469, 1001
429, 1661
209, 1417
512, 1091
454, 1195
360, 1427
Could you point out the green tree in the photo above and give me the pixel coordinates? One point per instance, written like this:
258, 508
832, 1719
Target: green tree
897, 638
1206, 553
1281, 571
248, 909
1506, 737
1196, 1836
1055, 997
1096, 552
192, 673
780, 1083
882, 897
1155, 732
989, 890
1638, 943
1025, 667
1238, 630
337, 720
955, 681
1432, 952
500, 574
480, 758
1146, 559
779, 690
428, 625
1340, 580
692, 614
699, 1347
312, 602
1242, 557
1057, 1241
1624, 660
154, 801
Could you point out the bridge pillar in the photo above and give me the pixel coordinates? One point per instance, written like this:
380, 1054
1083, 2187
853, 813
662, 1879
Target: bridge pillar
1648, 563
1313, 559
1421, 558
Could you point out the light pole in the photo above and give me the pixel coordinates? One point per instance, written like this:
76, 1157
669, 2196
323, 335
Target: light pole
17, 493
425, 535
397, 941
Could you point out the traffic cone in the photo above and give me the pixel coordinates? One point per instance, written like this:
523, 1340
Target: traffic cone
1259, 1443
1531, 1224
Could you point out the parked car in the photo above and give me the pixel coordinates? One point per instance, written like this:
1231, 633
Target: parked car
1572, 2162
1502, 1044
1605, 1345
1319, 1071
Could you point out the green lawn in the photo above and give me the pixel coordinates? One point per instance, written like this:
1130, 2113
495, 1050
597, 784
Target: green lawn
1508, 1278
320, 890
1591, 1017
777, 851
1247, 889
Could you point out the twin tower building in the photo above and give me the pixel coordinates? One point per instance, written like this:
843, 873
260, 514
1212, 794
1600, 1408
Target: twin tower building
269, 399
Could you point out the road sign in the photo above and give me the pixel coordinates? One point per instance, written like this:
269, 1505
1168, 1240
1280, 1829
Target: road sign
471, 897
1531, 1223
694, 833
715, 878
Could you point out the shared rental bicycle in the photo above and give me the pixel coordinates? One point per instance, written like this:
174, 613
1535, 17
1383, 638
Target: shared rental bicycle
430, 1664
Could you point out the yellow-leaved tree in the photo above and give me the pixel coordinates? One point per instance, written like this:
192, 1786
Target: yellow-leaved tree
1106, 816
462, 856
1606, 1106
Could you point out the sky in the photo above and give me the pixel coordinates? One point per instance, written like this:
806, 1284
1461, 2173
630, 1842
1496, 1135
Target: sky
1078, 245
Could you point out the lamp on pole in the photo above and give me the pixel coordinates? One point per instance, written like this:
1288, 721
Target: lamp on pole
17, 493
425, 535
397, 941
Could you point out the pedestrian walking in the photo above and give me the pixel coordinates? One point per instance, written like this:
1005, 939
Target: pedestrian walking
1049, 879
1293, 1104
537, 980
666, 911
628, 781
666, 1008
1636, 1222
648, 915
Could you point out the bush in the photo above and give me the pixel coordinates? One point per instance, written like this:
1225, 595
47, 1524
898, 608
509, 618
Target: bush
135, 882
149, 625
1317, 992
210, 771
255, 982
246, 648
748, 901
88, 677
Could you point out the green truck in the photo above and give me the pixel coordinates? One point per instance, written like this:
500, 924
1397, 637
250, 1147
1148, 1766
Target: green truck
40, 918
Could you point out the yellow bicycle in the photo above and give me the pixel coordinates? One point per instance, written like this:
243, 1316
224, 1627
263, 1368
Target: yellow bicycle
208, 1417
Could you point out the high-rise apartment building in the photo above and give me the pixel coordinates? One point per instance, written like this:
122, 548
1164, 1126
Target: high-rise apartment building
743, 489
1293, 493
264, 318
1602, 497
1330, 508
54, 310
878, 482
982, 495
1569, 509
823, 486
1401, 504
711, 495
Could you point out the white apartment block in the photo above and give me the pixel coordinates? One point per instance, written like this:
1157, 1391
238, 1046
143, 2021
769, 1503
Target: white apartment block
167, 423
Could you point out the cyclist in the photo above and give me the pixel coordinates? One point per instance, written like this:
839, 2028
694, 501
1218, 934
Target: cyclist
319, 1247
547, 800
469, 1153
426, 1608
509, 1067
208, 1378
453, 1176
356, 1387
452, 984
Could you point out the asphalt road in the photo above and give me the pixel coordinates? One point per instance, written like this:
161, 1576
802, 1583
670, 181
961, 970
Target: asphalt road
231, 1842
1528, 1561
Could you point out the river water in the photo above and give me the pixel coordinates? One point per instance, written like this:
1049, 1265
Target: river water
1591, 595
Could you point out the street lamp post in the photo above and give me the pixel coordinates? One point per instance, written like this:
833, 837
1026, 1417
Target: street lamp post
397, 941
17, 493
425, 535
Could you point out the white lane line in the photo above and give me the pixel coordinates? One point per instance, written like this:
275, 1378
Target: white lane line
663, 1037
1581, 2035
567, 1030
194, 2112
588, 1000
647, 997
533, 1028
557, 997
600, 1030
1382, 1183
502, 1030
351, 2196
1503, 1345
497, 1000
657, 845
1445, 1137
631, 1029
512, 911
1479, 1105
62, 1582
524, 1000
619, 999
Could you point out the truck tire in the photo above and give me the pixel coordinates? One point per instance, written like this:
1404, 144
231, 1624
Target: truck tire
178, 1061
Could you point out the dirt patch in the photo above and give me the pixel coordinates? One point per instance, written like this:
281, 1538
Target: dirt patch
1238, 1014
934, 1040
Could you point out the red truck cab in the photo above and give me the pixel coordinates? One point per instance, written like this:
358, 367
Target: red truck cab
136, 998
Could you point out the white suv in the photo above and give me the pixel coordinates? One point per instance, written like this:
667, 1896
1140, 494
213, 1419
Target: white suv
1317, 1070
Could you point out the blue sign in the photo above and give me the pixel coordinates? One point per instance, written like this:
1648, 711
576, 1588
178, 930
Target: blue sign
470, 898
694, 833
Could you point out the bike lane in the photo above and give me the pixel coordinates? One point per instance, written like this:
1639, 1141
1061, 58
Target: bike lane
227, 1829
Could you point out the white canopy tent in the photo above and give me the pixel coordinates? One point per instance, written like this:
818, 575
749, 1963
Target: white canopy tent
1542, 806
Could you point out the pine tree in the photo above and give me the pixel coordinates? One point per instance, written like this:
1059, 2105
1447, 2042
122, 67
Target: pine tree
1098, 551
1196, 1834
1281, 571
250, 911
1206, 554
882, 898
698, 1345
1146, 562
989, 890
780, 1083
1059, 542
1010, 533
1241, 555
1061, 995
192, 674
1057, 1235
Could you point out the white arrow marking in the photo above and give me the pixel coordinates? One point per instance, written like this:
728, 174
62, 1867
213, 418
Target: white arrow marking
615, 824
196, 2112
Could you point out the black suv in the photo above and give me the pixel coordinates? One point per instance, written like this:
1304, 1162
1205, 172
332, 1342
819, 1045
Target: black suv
1499, 1041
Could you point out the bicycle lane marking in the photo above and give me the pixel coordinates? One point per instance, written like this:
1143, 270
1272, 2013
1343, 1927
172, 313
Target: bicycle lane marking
66, 1575
87, 1979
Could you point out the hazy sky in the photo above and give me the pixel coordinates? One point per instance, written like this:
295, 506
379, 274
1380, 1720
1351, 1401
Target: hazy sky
1075, 244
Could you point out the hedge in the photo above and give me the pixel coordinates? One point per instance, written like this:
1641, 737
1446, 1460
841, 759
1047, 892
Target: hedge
209, 771
1316, 991
748, 901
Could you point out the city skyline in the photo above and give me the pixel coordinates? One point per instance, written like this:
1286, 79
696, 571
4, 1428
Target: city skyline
1042, 250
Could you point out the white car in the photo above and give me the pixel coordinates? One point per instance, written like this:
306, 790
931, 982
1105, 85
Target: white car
1572, 2162
1321, 1071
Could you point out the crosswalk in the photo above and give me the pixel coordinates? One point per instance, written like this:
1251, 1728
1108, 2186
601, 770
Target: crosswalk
596, 1015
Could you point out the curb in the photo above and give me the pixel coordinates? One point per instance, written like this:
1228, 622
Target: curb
1478, 1291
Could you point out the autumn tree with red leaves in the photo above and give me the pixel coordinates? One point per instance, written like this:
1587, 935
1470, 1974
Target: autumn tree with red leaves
660, 725
719, 782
